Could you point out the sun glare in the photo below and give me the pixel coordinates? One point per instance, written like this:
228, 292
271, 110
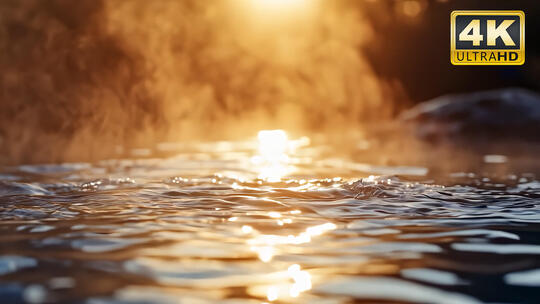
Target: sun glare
280, 4
276, 154
273, 145
273, 158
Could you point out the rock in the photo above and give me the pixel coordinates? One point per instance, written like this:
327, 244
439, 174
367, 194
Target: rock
511, 114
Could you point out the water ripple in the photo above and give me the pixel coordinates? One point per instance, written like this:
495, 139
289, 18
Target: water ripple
206, 230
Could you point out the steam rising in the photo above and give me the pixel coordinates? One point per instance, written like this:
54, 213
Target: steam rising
80, 80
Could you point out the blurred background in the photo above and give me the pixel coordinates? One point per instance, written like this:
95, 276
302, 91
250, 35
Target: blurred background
84, 80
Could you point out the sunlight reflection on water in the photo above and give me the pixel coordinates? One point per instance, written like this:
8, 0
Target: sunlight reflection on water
273, 160
265, 245
210, 224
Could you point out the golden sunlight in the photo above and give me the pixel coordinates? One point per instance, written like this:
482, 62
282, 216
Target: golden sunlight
276, 152
301, 278
265, 244
273, 145
273, 158
275, 5
290, 284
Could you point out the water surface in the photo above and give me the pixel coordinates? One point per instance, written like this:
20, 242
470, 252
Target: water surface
271, 221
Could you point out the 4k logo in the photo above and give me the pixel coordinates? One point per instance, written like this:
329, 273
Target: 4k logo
487, 37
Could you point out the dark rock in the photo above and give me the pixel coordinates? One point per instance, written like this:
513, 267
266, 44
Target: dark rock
505, 114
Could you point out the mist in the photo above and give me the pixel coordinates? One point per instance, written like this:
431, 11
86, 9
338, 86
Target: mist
82, 81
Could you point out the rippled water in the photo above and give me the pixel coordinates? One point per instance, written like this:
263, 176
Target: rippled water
275, 221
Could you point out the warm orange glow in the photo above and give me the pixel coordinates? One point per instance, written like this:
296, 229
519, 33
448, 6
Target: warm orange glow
273, 158
249, 63
272, 293
289, 284
247, 229
302, 280
276, 5
265, 244
273, 145
274, 214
